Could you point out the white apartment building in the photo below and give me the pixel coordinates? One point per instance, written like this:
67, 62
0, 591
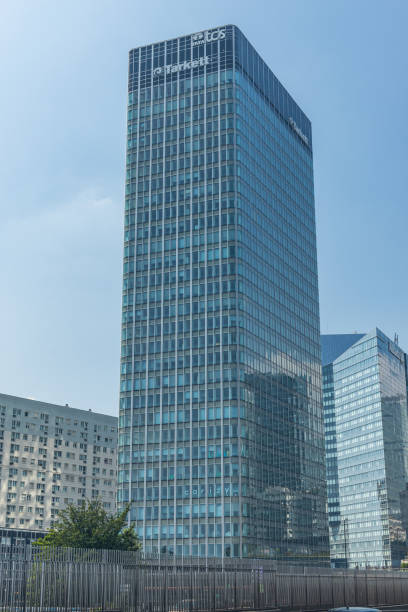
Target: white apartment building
51, 455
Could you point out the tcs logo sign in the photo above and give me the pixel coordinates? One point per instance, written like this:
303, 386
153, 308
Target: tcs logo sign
208, 36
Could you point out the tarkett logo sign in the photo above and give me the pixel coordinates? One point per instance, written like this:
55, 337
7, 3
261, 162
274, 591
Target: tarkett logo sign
202, 61
298, 131
208, 36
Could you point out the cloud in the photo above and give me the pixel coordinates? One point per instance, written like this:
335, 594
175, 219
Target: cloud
84, 220
72, 242
60, 309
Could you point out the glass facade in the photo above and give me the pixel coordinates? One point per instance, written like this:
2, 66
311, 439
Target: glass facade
332, 347
221, 442
366, 419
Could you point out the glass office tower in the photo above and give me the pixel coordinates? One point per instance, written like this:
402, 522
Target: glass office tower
221, 447
332, 346
366, 419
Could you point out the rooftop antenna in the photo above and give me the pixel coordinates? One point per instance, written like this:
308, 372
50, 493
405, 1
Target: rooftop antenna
396, 338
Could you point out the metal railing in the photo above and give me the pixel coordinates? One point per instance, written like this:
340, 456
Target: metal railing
34, 579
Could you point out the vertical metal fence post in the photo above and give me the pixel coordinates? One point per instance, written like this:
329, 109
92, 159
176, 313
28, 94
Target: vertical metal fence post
305, 578
253, 588
190, 607
344, 589
291, 590
366, 587
376, 591
69, 585
104, 580
10, 580
42, 586
275, 587
25, 561
165, 591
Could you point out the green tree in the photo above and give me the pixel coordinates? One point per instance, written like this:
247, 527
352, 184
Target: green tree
90, 526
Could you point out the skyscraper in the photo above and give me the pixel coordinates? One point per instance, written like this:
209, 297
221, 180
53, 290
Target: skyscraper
366, 421
332, 346
221, 448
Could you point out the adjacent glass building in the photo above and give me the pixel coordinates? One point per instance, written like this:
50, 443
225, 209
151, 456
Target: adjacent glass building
366, 423
221, 443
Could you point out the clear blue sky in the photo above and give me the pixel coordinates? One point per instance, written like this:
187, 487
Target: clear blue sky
62, 153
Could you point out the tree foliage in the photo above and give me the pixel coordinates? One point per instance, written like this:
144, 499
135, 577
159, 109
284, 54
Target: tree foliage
90, 526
